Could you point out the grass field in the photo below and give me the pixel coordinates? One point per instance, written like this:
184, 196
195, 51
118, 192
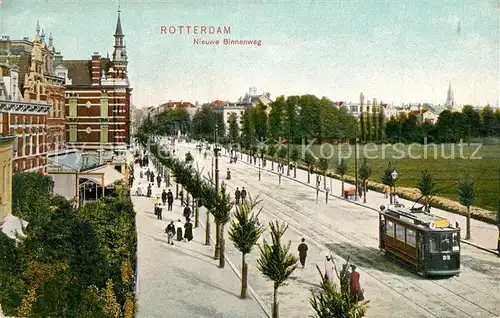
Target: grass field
447, 163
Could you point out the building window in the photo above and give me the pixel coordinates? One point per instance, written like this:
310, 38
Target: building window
72, 108
104, 106
104, 134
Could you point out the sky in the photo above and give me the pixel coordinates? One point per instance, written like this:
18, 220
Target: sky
394, 51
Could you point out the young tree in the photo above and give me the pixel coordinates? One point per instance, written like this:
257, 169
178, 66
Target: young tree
276, 262
323, 167
310, 162
234, 129
245, 231
271, 150
222, 214
387, 178
427, 188
282, 152
364, 173
341, 169
335, 301
466, 196
262, 152
294, 156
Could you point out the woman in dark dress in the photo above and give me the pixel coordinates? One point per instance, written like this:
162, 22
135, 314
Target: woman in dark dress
179, 230
188, 230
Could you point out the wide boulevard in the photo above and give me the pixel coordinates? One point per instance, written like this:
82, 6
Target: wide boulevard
346, 229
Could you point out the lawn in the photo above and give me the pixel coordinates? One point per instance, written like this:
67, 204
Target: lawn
447, 163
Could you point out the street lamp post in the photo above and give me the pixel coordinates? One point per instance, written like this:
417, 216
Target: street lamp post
259, 170
498, 215
288, 156
394, 175
318, 184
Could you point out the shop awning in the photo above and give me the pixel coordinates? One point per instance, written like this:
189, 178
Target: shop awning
109, 172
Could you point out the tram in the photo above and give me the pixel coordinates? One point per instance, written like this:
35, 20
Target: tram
424, 242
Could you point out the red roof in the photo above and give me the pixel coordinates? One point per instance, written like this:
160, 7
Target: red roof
173, 105
218, 103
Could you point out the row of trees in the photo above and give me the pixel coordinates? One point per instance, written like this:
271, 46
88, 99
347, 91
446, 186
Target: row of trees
276, 261
466, 187
71, 263
451, 126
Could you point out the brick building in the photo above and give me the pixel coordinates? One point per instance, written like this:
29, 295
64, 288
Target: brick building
25, 120
37, 80
98, 99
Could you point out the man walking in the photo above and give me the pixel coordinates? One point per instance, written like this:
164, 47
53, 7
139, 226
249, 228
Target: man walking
243, 195
303, 252
237, 195
170, 230
164, 197
158, 180
170, 200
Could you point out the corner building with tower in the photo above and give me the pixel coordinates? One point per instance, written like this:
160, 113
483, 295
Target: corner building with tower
98, 99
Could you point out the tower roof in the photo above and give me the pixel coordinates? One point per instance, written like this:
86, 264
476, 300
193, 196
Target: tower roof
119, 30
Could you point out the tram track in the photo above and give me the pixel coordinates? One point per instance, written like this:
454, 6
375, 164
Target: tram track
380, 276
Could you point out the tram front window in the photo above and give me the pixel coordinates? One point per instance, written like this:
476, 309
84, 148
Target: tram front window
443, 242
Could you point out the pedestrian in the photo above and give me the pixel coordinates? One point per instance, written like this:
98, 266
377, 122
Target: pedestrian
243, 195
303, 252
170, 199
170, 230
149, 191
187, 212
329, 268
354, 286
157, 206
158, 180
164, 197
179, 230
141, 174
237, 195
188, 230
152, 177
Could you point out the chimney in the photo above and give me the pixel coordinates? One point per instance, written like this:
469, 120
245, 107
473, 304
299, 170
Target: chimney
14, 80
96, 69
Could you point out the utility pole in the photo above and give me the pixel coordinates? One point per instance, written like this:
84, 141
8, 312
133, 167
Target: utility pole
356, 162
289, 135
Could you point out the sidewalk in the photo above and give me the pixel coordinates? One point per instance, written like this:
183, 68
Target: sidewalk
182, 280
484, 235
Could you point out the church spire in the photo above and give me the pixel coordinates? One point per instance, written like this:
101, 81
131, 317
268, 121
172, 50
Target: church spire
118, 31
38, 27
120, 53
450, 98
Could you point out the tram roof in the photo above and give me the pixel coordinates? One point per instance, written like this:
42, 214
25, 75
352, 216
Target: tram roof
418, 217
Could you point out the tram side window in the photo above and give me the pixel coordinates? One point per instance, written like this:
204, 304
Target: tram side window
400, 233
389, 228
411, 238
